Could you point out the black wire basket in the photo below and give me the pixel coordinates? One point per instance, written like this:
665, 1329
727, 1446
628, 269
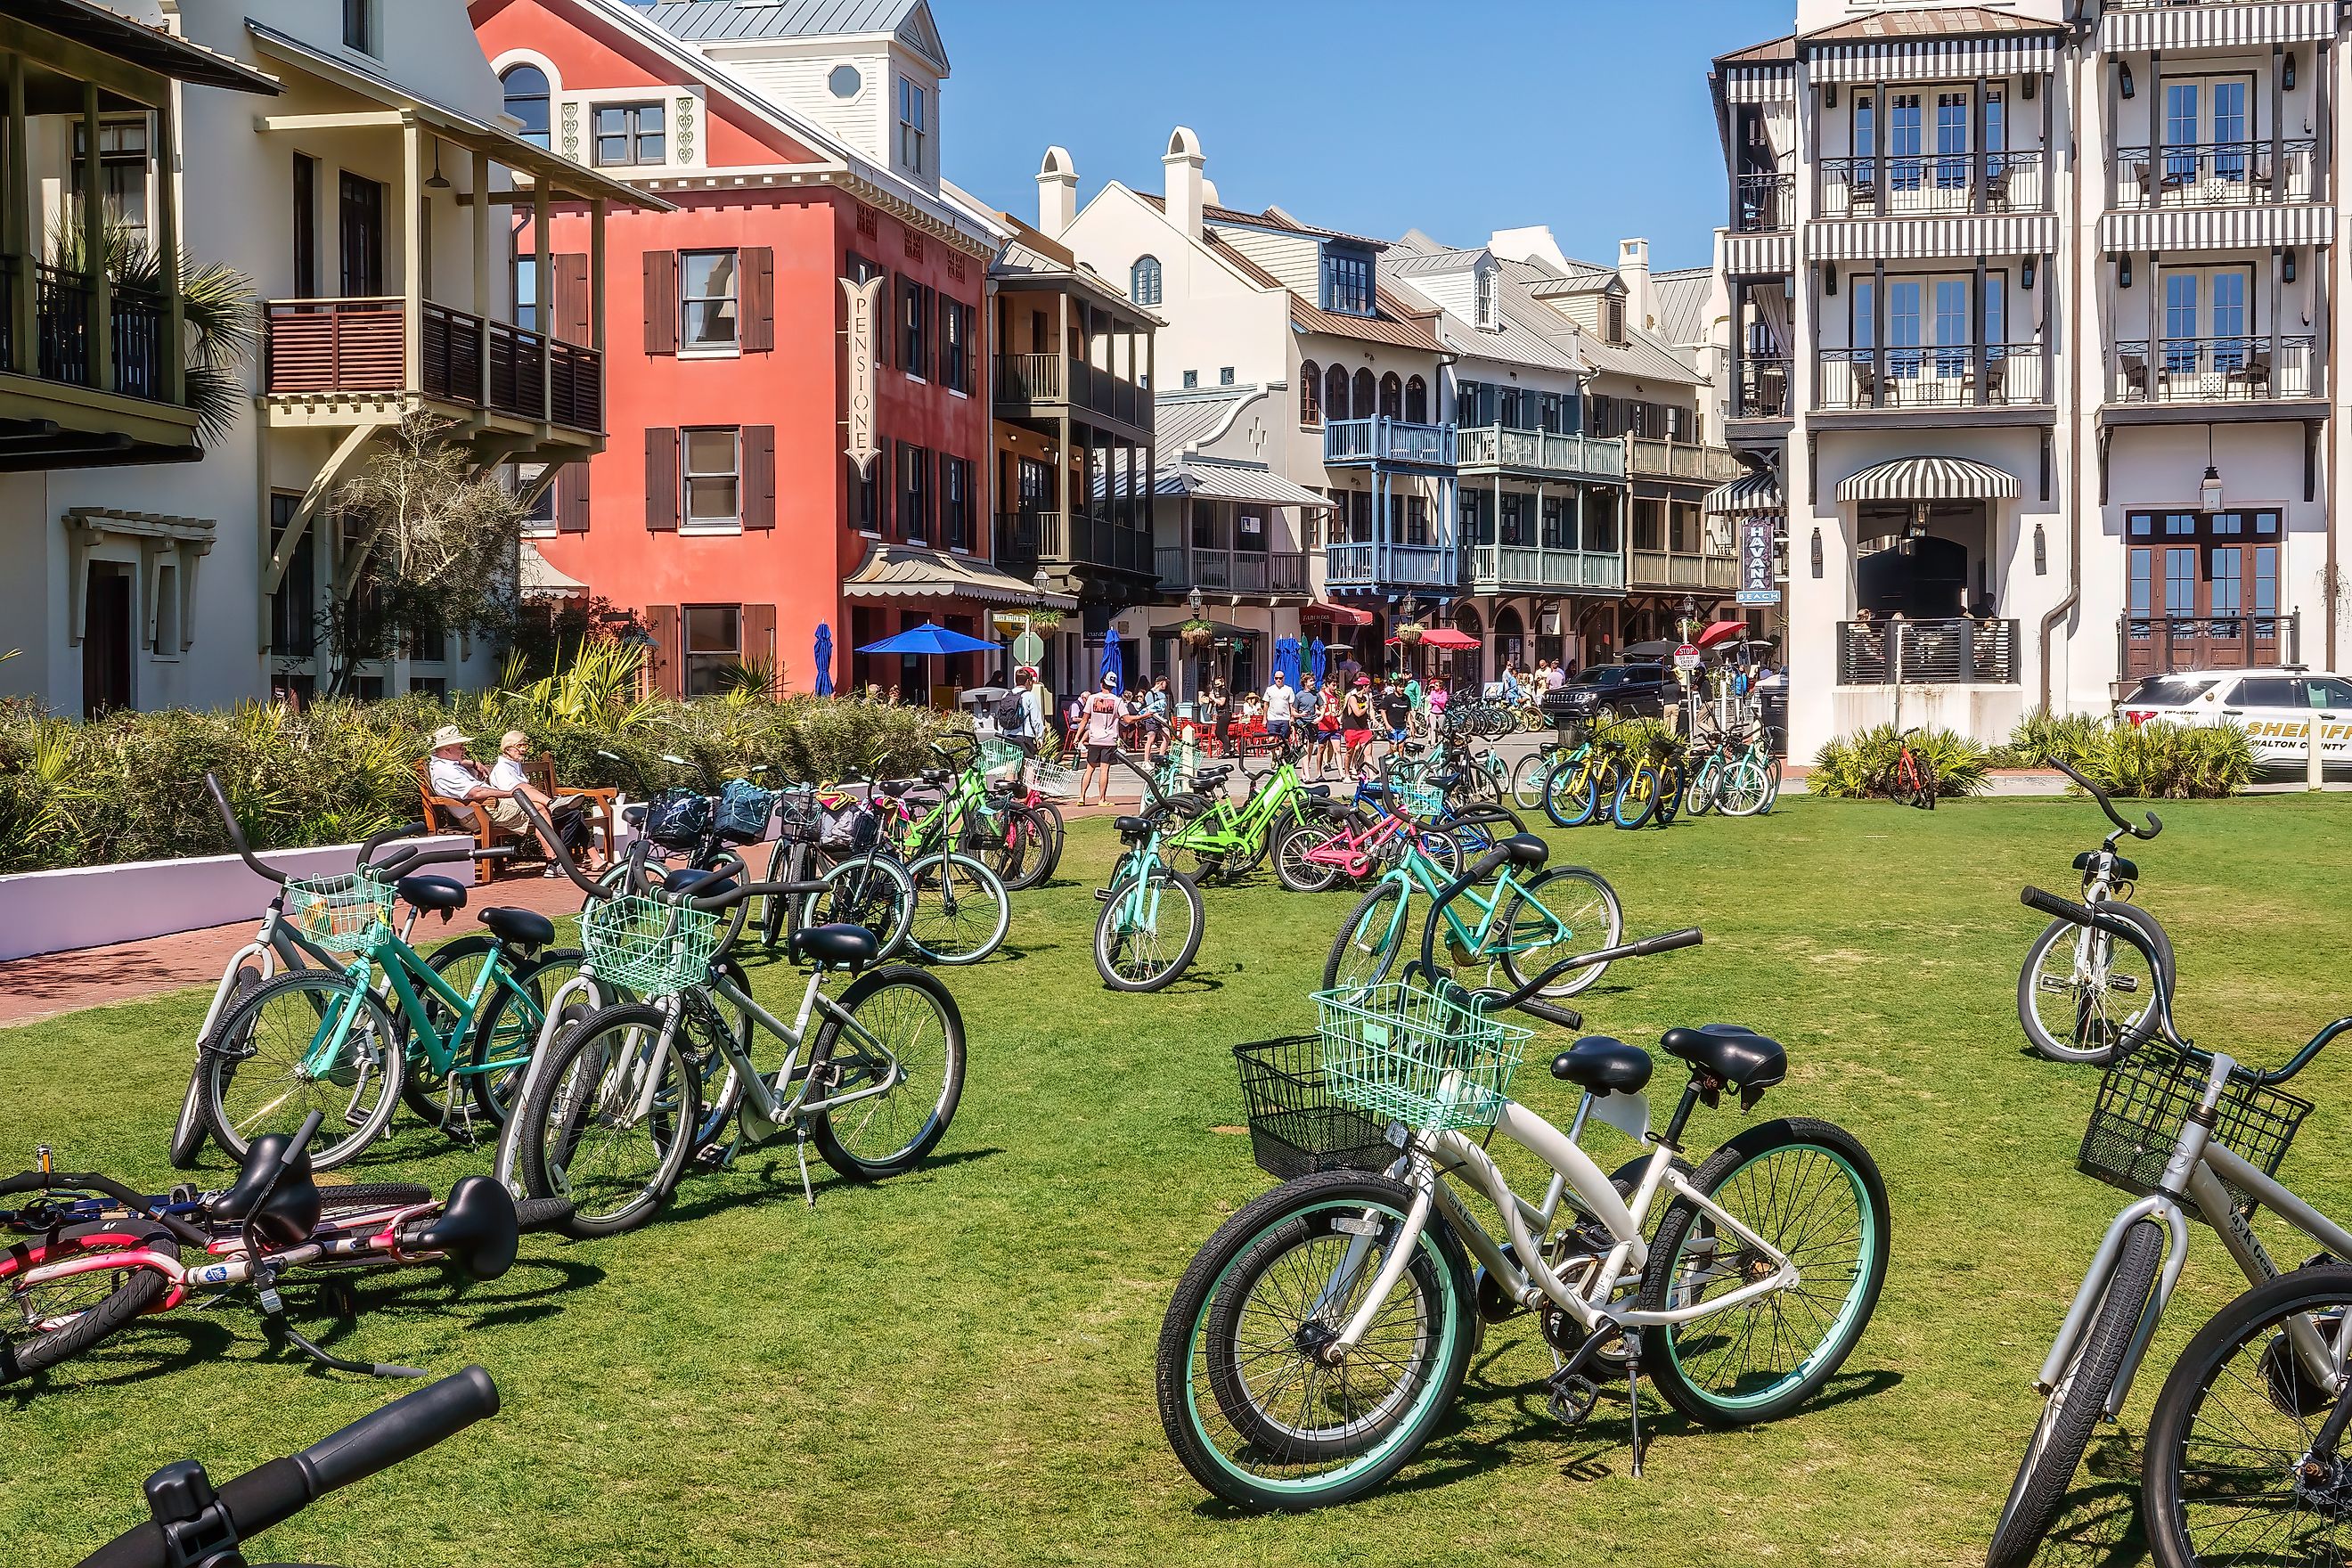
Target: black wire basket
2145, 1097
1296, 1126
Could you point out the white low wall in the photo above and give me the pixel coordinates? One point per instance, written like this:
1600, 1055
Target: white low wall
1983, 713
90, 906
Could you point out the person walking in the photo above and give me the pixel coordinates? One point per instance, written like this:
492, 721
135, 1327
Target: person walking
1219, 704
1396, 713
1356, 723
1281, 707
1101, 713
1153, 707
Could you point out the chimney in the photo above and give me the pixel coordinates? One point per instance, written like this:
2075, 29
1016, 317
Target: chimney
1185, 184
1058, 193
1634, 270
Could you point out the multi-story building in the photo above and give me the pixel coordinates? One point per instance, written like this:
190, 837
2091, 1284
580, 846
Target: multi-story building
801, 435
366, 198
2032, 311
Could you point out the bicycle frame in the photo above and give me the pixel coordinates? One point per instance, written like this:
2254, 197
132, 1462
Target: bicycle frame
1419, 873
1225, 828
229, 1262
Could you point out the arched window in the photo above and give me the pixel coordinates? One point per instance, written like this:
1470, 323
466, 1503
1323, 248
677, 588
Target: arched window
1367, 399
1310, 393
526, 90
1466, 621
1392, 396
1143, 280
1416, 401
1335, 393
1489, 305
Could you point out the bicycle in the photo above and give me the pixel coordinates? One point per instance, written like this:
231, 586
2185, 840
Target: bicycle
1732, 772
618, 1104
376, 1022
2084, 981
1912, 780
1222, 838
1319, 1338
1381, 817
1650, 791
184, 1510
2190, 1134
1586, 779
1132, 951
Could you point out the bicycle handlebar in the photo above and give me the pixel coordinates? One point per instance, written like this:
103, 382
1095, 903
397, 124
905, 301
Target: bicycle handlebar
2155, 823
236, 835
562, 855
1522, 849
1525, 999
378, 839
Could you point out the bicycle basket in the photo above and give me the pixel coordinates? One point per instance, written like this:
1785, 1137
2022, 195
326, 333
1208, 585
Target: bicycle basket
1296, 1126
743, 811
342, 914
677, 818
849, 828
1402, 1052
1000, 758
2143, 1098
652, 948
798, 813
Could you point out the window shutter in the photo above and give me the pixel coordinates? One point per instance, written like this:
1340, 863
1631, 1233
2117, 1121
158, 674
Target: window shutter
759, 643
661, 301
669, 668
571, 296
571, 497
759, 476
759, 301
661, 480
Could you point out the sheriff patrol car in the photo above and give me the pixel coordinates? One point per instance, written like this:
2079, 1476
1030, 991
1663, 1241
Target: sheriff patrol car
2277, 705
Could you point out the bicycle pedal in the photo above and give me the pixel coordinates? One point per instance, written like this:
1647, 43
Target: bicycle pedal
1102, 895
1571, 1398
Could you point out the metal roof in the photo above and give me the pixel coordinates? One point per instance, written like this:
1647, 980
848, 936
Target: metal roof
1216, 478
150, 47
1642, 355
911, 572
1184, 420
1682, 305
713, 21
1529, 331
1950, 21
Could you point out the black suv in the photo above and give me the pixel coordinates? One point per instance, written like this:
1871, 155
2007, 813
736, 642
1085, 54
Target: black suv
1614, 691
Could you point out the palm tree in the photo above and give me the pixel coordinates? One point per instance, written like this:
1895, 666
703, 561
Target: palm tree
217, 301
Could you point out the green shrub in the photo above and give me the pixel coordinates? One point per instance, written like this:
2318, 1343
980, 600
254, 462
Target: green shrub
2170, 762
2040, 734
1857, 767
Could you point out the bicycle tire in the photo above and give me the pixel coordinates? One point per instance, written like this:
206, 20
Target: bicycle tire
491, 1090
1527, 776
1110, 939
1355, 967
936, 1003
877, 895
2132, 1037
1632, 797
189, 1132
1748, 788
1573, 796
938, 941
1672, 781
787, 862
542, 1115
1594, 891
389, 1063
373, 1196
133, 1292
1293, 870
1698, 795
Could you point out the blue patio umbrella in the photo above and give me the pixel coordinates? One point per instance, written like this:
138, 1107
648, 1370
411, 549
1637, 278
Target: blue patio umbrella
824, 658
1315, 657
1114, 663
930, 638
1286, 658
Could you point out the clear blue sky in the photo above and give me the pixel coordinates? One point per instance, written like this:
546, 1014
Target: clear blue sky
1370, 116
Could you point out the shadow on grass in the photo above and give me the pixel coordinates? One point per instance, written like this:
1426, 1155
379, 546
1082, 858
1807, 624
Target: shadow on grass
535, 1287
131, 1357
779, 1178
2099, 1524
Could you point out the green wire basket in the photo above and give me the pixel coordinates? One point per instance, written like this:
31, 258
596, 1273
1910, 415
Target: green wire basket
652, 948
342, 913
1402, 1052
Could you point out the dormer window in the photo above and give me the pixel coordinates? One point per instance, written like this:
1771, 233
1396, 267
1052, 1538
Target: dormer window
914, 124
1347, 282
1612, 319
1490, 309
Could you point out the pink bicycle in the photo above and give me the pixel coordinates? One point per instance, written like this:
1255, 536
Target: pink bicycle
1373, 834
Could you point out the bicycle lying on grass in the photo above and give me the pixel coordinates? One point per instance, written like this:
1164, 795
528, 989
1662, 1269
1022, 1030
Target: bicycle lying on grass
2076, 991
1319, 1338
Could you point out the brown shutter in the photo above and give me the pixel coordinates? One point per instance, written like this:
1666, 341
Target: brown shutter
571, 497
661, 301
661, 480
759, 476
669, 670
760, 642
759, 302
571, 296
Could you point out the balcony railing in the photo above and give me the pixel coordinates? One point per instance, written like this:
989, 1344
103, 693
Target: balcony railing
1027, 379
2163, 645
1944, 652
62, 302
1544, 451
1025, 539
1944, 376
1506, 568
1386, 440
1231, 571
2216, 173
1684, 569
2214, 370
137, 345
1379, 565
358, 345
1764, 204
1764, 390
1683, 460
1925, 183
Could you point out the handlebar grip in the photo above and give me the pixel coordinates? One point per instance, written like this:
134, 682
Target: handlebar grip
1666, 942
400, 1430
2052, 904
1552, 1013
377, 840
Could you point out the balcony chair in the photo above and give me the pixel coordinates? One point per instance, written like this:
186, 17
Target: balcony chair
1996, 187
1996, 381
1865, 385
2254, 375
2134, 373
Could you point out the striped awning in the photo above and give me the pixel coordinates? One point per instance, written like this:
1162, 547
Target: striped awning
2239, 26
1930, 478
1932, 59
1928, 238
2218, 228
1759, 84
1758, 254
1751, 493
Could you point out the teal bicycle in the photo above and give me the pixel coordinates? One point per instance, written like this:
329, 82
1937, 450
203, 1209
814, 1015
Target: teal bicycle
1153, 918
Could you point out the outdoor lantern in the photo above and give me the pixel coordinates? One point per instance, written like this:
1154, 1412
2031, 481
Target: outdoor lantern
1042, 583
2123, 272
2041, 553
2028, 89
1817, 555
2123, 77
2287, 266
1829, 279
2025, 275
2286, 73
2209, 494
1829, 95
1193, 601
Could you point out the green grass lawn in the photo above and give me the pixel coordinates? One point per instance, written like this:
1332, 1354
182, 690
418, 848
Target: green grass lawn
956, 1367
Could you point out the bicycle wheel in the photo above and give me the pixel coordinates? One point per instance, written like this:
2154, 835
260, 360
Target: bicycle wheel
912, 1018
1813, 1192
188, 1134
876, 894
1672, 780
1527, 776
2230, 1473
582, 1136
1293, 870
961, 910
1636, 797
1010, 840
1370, 942
1561, 912
2082, 995
277, 1058
1441, 847
1571, 795
2074, 1405
1699, 795
1747, 788
51, 1320
424, 1088
512, 1022
1139, 944
1926, 788
1249, 1405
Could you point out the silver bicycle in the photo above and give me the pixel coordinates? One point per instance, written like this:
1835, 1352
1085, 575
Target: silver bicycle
2080, 996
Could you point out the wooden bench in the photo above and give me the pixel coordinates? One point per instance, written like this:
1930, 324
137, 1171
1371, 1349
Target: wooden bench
443, 814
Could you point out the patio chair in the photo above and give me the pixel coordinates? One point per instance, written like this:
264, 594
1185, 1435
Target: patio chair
1865, 385
596, 805
1996, 187
2134, 373
2254, 375
443, 814
1996, 381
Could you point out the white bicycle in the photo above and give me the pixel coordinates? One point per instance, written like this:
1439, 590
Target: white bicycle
2082, 995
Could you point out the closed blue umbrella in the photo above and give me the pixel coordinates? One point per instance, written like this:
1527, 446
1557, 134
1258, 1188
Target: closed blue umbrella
1286, 658
824, 658
1316, 655
1114, 663
930, 638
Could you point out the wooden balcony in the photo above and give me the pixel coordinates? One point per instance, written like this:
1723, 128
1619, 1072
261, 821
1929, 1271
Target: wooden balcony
359, 348
1685, 570
1385, 567
1040, 384
1275, 574
1682, 460
1494, 448
1027, 539
1381, 442
1513, 568
1959, 650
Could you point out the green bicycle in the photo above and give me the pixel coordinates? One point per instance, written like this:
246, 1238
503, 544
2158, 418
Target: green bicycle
1223, 839
982, 819
1523, 927
350, 1044
1152, 919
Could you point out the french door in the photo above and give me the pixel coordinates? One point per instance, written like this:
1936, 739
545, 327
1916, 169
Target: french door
2207, 315
2202, 591
2208, 133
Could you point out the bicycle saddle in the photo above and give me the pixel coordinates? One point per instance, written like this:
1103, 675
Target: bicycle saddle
520, 927
291, 1211
842, 946
635, 815
1528, 851
432, 894
1132, 826
1731, 1052
476, 1229
702, 884
2126, 869
1603, 1064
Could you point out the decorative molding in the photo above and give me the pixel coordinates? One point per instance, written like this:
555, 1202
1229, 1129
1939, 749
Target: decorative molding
185, 539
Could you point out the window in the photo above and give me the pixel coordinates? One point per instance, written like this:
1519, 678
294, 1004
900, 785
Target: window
844, 81
914, 328
293, 625
540, 519
1191, 379
1143, 280
630, 133
306, 226
526, 292
358, 26
1612, 319
526, 100
955, 501
1224, 375
1348, 283
1489, 303
914, 124
1366, 399
713, 635
713, 487
707, 287
1392, 396
1310, 393
914, 494
955, 345
1335, 393
121, 170
866, 498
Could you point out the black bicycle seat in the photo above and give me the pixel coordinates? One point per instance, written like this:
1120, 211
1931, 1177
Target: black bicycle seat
292, 1211
841, 946
520, 927
476, 1229
432, 894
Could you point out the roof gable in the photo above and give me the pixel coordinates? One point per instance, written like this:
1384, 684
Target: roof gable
908, 22
1943, 21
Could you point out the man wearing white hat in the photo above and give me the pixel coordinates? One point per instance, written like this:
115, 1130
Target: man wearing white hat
454, 775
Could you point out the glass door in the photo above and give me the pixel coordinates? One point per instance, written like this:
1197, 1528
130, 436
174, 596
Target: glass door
2206, 323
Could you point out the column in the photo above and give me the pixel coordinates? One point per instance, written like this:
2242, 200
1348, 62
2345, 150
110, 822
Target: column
597, 274
173, 361
543, 269
482, 275
411, 198
24, 318
100, 333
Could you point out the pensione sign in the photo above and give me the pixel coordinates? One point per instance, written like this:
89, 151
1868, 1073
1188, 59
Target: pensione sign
864, 323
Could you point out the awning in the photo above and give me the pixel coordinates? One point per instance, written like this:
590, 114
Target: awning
537, 578
1223, 631
1445, 636
1752, 493
1212, 480
911, 572
1930, 478
1324, 609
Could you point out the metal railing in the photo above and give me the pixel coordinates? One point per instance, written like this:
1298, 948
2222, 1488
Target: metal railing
2213, 370
1381, 564
1765, 389
1891, 185
2164, 644
62, 304
138, 342
1683, 569
1945, 376
1960, 650
1231, 571
1683, 460
1501, 568
1763, 204
1545, 451
1023, 539
2216, 173
1387, 440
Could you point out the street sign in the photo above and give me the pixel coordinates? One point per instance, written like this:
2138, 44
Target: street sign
1760, 595
1756, 566
1028, 649
1686, 657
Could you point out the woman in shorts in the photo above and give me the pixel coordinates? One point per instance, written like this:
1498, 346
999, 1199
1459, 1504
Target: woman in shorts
1103, 712
1356, 723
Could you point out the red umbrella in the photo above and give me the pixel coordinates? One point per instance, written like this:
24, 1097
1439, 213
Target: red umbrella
1721, 632
1445, 636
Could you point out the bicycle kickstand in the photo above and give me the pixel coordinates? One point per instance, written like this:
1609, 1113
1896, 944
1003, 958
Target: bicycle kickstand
1634, 1406
808, 1193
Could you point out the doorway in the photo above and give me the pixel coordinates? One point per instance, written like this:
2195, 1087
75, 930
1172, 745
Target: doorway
361, 229
106, 639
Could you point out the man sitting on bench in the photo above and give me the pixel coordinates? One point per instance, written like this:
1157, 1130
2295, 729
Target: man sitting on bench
454, 775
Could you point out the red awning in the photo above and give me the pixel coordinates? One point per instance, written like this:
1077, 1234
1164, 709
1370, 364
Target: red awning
1325, 609
1445, 636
